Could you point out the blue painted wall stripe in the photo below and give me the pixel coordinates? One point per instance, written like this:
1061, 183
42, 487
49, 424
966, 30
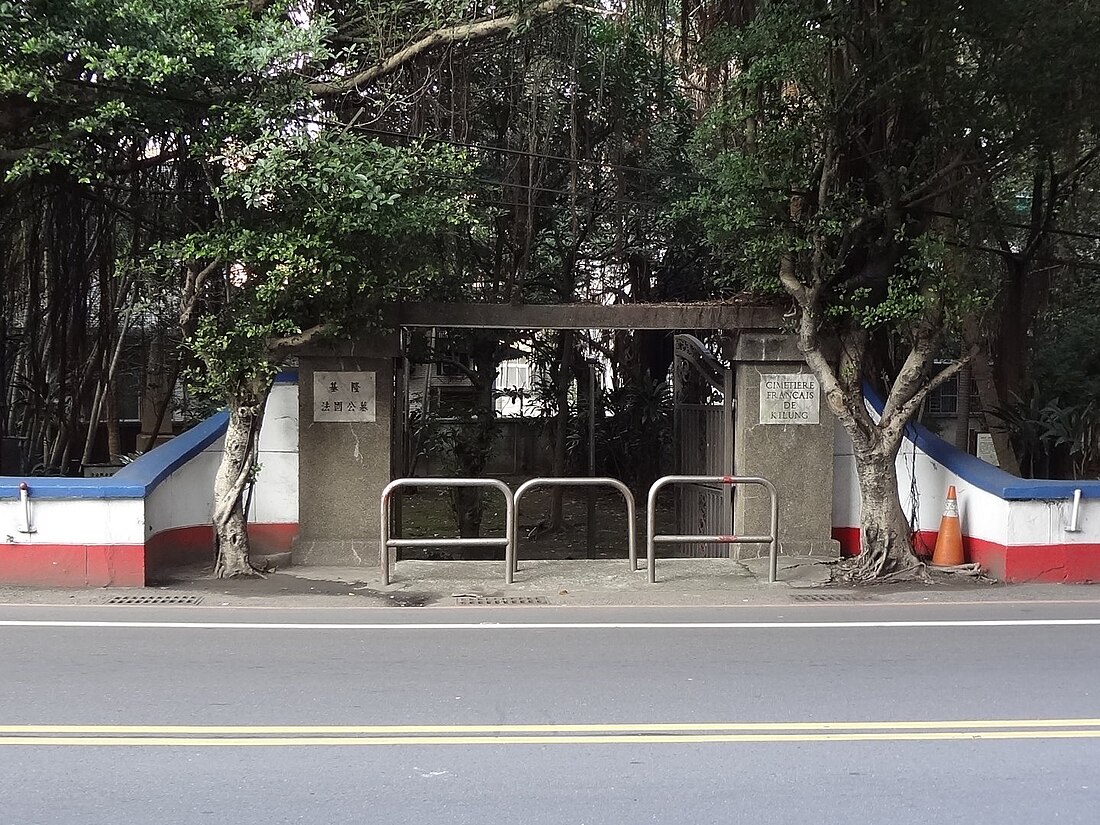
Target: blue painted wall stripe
985, 476
136, 480
140, 477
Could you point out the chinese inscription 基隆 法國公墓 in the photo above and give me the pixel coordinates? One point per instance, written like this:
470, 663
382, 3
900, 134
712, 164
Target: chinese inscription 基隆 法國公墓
343, 396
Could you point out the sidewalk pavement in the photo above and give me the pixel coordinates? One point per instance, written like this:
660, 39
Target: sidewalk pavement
577, 582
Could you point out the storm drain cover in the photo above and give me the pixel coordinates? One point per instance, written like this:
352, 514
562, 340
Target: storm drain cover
155, 600
831, 597
501, 600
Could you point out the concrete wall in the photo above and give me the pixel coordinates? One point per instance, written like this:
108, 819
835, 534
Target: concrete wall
74, 543
1016, 528
153, 513
177, 512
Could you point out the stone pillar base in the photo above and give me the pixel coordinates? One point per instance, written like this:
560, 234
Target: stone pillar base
823, 548
335, 552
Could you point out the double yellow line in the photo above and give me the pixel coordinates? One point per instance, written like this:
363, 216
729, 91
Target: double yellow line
587, 734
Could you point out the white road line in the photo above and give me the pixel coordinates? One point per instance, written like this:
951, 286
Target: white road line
562, 739
514, 728
837, 625
546, 608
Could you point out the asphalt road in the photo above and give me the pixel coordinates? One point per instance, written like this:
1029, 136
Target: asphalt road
812, 714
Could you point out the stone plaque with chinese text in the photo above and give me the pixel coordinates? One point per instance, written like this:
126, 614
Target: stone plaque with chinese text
343, 396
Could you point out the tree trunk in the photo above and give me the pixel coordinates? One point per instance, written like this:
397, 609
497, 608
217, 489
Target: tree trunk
468, 511
981, 373
962, 412
1010, 347
886, 544
114, 436
238, 459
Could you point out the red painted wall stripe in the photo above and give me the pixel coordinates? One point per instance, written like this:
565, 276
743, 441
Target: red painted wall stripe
125, 565
69, 565
195, 543
1019, 563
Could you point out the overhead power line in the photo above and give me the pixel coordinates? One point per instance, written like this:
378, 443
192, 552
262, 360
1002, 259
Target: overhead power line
1071, 233
601, 164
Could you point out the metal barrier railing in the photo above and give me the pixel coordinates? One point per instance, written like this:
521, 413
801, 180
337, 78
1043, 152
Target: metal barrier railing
652, 539
387, 541
579, 481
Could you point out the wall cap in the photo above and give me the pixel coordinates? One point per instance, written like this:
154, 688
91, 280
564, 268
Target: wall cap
982, 475
134, 481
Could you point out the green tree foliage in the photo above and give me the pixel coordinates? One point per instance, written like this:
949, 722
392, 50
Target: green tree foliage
82, 79
293, 225
1055, 422
849, 145
266, 173
319, 229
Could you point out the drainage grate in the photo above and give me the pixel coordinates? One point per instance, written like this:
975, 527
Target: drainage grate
154, 600
831, 597
501, 600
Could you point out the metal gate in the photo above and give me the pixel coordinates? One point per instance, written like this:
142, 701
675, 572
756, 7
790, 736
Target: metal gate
703, 445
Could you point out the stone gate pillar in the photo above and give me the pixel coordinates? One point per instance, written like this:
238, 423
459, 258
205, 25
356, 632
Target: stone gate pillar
346, 412
784, 433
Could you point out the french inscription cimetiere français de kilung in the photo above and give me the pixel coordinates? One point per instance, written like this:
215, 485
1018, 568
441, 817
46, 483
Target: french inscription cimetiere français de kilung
789, 398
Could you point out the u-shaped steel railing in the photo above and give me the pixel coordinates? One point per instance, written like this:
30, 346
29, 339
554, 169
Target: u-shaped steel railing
653, 539
579, 481
388, 541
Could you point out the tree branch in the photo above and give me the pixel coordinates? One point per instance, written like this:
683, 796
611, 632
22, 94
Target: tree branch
893, 429
192, 288
846, 405
279, 346
460, 33
789, 279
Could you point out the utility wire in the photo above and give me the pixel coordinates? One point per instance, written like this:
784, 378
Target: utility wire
605, 165
1072, 233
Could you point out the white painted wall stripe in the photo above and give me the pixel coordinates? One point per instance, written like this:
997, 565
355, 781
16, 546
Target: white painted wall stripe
183, 499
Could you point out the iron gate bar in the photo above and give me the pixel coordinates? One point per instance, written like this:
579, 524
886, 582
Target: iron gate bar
578, 481
689, 351
387, 541
652, 539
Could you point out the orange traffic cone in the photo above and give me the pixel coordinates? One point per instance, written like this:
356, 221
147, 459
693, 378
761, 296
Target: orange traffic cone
949, 541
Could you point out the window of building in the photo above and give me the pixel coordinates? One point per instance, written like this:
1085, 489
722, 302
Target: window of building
944, 400
512, 385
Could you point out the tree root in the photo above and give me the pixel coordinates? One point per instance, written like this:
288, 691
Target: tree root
962, 570
243, 574
855, 571
869, 568
252, 572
